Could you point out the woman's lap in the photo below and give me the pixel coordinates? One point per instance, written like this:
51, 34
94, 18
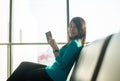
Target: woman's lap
29, 70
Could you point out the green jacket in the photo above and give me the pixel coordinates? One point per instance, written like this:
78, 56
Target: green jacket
60, 69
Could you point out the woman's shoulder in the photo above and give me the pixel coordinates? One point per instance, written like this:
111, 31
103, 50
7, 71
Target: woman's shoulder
75, 42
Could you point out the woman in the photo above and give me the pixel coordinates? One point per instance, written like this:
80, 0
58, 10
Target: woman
64, 57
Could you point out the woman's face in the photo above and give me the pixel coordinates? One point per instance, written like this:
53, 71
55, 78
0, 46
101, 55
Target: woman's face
72, 30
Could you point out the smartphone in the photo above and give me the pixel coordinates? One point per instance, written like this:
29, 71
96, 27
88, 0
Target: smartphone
48, 35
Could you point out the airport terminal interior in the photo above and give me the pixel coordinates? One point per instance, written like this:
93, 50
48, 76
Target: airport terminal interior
23, 24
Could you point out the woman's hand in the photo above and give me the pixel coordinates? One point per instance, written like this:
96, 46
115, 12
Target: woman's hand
54, 46
53, 43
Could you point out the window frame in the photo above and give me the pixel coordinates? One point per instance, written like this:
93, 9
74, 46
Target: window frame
10, 43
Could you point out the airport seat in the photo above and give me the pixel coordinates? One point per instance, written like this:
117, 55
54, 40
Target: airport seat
98, 61
110, 68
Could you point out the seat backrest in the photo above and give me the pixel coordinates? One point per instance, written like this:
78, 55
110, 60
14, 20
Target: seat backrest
110, 67
86, 64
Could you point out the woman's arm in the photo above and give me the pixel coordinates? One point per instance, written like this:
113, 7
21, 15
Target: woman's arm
54, 46
56, 52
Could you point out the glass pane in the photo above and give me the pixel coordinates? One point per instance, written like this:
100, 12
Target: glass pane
33, 53
3, 63
102, 16
4, 18
32, 18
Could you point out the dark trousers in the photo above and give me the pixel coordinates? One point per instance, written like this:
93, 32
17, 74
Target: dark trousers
28, 71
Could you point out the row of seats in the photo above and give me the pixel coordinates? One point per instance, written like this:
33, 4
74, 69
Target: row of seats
98, 61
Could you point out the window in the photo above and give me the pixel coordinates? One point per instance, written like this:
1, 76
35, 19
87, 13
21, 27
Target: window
102, 16
4, 25
30, 20
3, 62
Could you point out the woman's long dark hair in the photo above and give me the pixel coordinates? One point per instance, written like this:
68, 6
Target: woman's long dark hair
81, 27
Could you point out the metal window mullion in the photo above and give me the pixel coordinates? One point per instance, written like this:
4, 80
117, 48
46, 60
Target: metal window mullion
67, 7
9, 47
67, 12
